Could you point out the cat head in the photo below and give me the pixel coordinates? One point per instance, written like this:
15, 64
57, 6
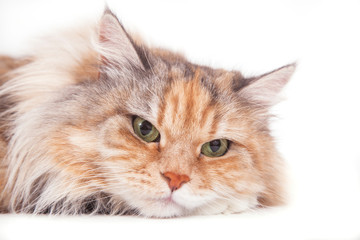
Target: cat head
150, 133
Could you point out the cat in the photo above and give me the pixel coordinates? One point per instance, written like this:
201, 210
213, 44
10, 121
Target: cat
98, 123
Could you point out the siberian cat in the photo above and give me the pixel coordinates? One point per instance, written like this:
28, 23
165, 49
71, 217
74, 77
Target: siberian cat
98, 123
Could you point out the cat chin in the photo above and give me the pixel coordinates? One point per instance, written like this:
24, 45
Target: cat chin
171, 206
181, 204
163, 209
166, 208
187, 198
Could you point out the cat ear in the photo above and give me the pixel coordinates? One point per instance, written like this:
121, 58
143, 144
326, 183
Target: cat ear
265, 88
115, 45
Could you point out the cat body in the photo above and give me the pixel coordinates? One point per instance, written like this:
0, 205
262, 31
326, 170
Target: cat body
69, 141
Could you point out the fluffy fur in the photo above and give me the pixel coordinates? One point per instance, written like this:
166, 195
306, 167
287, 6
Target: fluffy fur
67, 143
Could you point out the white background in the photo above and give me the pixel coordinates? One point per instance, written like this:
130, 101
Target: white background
318, 128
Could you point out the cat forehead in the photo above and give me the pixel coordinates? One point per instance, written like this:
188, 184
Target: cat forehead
174, 67
193, 104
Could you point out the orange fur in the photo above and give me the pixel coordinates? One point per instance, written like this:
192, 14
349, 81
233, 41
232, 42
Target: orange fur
71, 147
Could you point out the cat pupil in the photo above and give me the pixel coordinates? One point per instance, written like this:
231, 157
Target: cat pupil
145, 128
215, 145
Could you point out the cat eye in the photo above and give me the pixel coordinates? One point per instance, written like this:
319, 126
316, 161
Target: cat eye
215, 148
145, 130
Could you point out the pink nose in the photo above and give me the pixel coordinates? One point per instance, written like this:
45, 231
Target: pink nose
175, 181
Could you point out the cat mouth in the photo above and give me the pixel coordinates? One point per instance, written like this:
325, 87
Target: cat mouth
169, 201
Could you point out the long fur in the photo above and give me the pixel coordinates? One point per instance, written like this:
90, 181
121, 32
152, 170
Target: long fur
68, 147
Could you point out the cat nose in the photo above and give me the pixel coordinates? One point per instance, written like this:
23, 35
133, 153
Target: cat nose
175, 181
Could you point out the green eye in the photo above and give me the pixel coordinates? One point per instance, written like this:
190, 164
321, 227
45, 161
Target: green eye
215, 148
145, 130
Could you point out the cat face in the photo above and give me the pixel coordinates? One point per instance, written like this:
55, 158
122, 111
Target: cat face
211, 152
107, 151
103, 149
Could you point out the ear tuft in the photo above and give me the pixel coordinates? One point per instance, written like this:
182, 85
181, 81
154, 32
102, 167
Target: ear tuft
264, 89
115, 45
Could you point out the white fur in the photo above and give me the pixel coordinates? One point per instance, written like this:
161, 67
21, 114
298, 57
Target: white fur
35, 86
266, 89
